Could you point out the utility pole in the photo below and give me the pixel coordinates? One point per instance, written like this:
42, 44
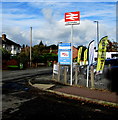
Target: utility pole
30, 46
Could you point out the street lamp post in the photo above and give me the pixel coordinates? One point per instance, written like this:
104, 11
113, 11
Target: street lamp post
97, 33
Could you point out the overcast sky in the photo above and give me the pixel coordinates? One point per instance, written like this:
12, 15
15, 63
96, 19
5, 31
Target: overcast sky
47, 20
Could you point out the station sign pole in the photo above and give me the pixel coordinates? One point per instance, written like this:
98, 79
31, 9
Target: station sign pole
71, 78
72, 18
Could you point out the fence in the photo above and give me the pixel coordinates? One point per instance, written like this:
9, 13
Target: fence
62, 75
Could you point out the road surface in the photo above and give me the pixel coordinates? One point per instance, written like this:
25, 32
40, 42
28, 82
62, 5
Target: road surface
17, 74
22, 102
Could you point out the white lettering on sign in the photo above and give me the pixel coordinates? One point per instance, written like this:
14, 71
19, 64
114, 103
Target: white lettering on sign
64, 47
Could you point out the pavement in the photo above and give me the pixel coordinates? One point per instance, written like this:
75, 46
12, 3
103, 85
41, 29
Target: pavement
102, 97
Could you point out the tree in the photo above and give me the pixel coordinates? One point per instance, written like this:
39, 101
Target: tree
5, 54
23, 58
41, 43
54, 47
39, 49
112, 46
51, 57
40, 53
109, 46
23, 46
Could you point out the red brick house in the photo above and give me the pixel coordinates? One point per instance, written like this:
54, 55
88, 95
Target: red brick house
75, 52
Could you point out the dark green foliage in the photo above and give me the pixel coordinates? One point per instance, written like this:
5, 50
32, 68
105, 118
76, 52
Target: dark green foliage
5, 54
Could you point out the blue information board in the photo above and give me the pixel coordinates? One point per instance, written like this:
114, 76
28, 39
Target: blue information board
64, 53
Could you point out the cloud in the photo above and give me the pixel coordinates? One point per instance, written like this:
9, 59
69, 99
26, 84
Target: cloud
60, 1
48, 23
17, 35
48, 15
58, 32
82, 34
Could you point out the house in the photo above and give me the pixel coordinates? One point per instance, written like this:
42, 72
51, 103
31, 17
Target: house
75, 52
9, 45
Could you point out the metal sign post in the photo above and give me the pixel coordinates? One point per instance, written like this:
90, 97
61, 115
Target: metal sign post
72, 18
71, 75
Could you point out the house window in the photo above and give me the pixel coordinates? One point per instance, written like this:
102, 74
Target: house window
15, 47
3, 45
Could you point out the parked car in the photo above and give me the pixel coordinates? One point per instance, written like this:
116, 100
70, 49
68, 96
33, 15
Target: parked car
109, 65
111, 73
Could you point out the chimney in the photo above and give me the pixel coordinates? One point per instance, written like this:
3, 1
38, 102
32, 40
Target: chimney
3, 36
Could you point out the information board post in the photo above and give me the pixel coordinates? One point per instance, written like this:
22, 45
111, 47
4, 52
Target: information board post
64, 55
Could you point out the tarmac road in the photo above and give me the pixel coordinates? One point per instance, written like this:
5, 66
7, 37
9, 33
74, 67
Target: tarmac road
8, 75
22, 102
49, 106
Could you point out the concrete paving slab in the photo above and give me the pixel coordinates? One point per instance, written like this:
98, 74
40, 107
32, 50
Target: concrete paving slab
43, 86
